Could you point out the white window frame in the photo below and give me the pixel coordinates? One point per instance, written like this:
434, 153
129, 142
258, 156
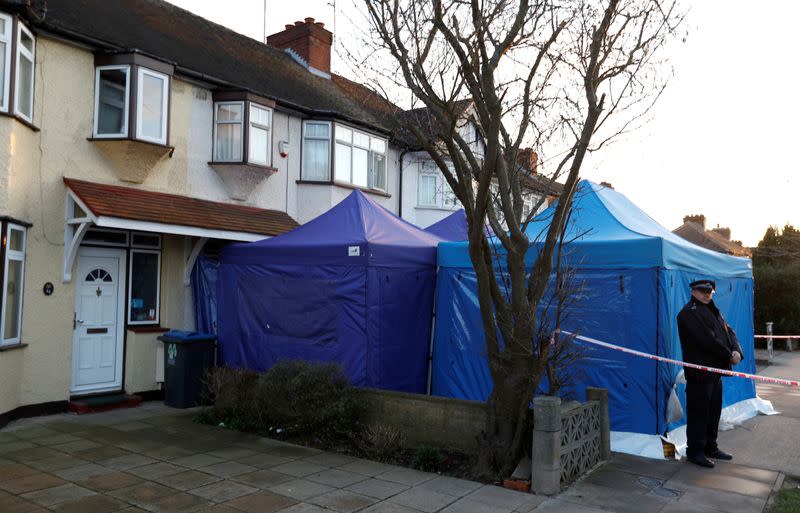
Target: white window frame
268, 128
370, 155
7, 37
331, 142
127, 97
20, 257
214, 155
442, 188
134, 244
427, 174
157, 320
24, 52
141, 72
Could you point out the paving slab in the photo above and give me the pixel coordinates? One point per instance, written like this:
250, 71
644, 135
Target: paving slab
32, 454
465, 505
264, 461
451, 486
305, 508
366, 467
15, 471
330, 459
63, 493
90, 504
299, 468
110, 481
559, 506
30, 483
233, 453
155, 471
708, 478
54, 463
406, 476
104, 452
175, 503
387, 507
168, 453
378, 488
227, 469
343, 501
196, 461
696, 496
12, 504
126, 462
81, 472
502, 497
76, 446
292, 451
604, 497
263, 479
57, 439
300, 489
188, 480
336, 478
223, 491
421, 499
142, 492
261, 502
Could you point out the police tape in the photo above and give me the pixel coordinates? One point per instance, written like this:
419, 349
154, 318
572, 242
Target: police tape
776, 336
725, 372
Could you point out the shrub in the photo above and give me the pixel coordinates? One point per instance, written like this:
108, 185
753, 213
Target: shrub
383, 441
427, 459
292, 397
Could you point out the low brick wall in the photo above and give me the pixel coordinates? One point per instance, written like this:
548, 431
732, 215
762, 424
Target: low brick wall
435, 421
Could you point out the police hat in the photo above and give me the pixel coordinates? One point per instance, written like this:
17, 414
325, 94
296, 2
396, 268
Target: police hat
704, 285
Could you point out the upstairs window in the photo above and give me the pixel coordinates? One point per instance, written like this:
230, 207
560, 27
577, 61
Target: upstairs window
13, 278
433, 190
131, 100
359, 157
26, 47
17, 53
242, 128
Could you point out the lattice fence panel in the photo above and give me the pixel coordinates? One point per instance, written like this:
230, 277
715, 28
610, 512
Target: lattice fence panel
580, 441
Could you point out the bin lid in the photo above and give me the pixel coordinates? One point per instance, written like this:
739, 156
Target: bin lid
186, 336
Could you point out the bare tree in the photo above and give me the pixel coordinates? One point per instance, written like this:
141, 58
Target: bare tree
563, 77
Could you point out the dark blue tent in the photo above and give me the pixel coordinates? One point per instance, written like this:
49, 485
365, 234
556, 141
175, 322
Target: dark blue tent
453, 228
633, 278
354, 286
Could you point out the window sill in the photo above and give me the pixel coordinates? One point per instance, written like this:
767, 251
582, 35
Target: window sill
21, 120
11, 347
367, 190
258, 167
147, 329
165, 147
436, 207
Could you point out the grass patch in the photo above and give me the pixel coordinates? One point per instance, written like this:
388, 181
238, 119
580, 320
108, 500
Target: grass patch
788, 500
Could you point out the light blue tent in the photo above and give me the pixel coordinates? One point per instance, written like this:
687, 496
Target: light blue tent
633, 276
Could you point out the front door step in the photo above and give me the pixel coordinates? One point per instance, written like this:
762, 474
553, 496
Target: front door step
100, 403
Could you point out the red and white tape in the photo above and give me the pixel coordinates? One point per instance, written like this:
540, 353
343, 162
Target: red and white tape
726, 372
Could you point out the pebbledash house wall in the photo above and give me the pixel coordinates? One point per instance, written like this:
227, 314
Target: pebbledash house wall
32, 167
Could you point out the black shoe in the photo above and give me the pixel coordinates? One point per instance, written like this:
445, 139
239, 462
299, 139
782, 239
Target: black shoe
702, 461
719, 455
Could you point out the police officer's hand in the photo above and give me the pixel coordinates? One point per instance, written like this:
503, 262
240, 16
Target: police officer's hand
736, 358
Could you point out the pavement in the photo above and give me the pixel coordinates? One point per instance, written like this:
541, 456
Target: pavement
154, 458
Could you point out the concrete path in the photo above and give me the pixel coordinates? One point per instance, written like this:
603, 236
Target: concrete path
154, 458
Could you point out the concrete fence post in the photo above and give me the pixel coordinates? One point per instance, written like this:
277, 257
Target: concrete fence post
546, 457
770, 351
601, 396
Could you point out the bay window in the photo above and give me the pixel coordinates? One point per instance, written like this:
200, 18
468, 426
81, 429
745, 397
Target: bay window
131, 98
17, 54
242, 130
359, 157
13, 277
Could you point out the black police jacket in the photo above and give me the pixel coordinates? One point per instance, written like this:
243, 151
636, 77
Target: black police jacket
706, 339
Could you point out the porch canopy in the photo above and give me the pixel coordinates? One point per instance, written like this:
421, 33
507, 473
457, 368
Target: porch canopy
110, 206
353, 286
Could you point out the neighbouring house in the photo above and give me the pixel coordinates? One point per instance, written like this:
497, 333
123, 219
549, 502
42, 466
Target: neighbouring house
138, 136
716, 239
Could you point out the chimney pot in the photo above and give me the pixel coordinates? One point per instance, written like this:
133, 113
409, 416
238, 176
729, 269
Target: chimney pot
697, 218
298, 23
319, 24
288, 26
309, 20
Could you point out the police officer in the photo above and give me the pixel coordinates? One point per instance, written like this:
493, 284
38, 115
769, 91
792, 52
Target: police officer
706, 339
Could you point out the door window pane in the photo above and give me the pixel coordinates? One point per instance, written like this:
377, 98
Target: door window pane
13, 300
144, 279
152, 106
112, 115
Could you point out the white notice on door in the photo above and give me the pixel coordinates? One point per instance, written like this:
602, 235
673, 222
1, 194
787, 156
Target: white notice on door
353, 251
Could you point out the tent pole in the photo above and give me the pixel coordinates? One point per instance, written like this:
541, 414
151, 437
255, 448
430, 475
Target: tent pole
433, 330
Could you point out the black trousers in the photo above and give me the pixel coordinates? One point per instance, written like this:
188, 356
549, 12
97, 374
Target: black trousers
703, 408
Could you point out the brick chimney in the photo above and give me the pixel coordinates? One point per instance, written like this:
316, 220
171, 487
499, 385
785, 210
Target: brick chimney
528, 159
698, 218
725, 232
310, 40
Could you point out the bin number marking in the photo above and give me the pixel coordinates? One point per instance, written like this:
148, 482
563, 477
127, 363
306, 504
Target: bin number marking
172, 350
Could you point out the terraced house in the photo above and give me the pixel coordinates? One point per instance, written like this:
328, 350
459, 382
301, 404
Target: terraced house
133, 137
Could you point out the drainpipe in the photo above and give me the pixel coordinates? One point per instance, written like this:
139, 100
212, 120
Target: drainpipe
400, 193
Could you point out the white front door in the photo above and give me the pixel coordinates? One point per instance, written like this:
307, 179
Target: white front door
97, 342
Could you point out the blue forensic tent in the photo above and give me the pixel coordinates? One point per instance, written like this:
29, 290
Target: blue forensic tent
354, 285
634, 278
454, 227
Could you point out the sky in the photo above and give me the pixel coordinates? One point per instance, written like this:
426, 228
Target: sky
720, 139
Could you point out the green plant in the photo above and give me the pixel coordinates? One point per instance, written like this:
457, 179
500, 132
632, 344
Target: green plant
427, 459
382, 441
